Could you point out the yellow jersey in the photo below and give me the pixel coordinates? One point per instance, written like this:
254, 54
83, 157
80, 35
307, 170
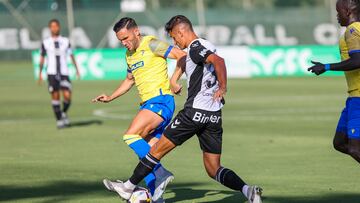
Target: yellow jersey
350, 43
148, 66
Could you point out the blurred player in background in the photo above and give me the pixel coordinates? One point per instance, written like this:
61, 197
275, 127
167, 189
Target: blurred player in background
147, 69
206, 79
56, 49
347, 135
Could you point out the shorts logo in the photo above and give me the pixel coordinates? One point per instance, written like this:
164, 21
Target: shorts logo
352, 131
176, 122
203, 118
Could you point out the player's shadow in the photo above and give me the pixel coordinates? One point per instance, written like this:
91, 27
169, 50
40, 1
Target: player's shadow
56, 191
185, 192
85, 123
329, 198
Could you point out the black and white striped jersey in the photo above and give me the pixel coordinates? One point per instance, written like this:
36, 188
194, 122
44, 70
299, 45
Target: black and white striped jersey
201, 77
56, 51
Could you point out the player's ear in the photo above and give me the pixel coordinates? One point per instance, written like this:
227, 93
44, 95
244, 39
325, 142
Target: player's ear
136, 31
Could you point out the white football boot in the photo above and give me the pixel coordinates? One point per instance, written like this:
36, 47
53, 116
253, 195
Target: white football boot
118, 187
254, 194
65, 119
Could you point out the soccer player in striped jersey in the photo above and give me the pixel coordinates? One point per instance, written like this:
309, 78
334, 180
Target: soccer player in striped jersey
147, 70
347, 135
56, 50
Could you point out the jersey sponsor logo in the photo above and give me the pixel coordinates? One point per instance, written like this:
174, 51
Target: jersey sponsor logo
137, 65
175, 123
203, 118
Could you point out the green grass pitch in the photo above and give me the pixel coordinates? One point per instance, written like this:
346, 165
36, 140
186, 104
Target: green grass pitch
277, 134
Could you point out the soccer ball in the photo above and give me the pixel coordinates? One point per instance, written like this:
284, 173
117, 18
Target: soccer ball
140, 195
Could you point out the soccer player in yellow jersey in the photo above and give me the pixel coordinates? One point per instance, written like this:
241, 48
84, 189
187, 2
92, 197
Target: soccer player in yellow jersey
147, 70
347, 136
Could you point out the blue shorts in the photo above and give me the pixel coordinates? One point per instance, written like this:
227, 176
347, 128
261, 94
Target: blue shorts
349, 121
164, 106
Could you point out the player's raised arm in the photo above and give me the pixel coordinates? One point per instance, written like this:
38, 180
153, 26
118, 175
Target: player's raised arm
124, 87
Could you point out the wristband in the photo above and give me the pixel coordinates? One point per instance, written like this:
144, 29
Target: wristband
327, 67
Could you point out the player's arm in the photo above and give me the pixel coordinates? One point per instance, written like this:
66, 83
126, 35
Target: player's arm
123, 88
201, 54
220, 70
41, 62
348, 65
166, 50
73, 60
352, 38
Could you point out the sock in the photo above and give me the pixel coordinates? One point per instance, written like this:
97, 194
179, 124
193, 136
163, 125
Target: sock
66, 105
141, 148
144, 168
229, 179
245, 190
56, 108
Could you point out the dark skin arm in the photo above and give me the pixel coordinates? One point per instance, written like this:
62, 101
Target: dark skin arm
348, 65
220, 70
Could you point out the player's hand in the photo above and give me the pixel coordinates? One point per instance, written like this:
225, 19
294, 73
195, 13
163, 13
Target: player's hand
40, 80
219, 94
318, 68
176, 89
102, 98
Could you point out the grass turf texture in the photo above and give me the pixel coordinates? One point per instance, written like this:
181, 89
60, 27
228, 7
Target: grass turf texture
277, 133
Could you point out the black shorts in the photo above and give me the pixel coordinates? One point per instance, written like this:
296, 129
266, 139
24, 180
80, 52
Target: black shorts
56, 83
206, 125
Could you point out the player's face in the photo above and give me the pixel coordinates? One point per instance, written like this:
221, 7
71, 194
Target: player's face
54, 28
129, 38
342, 13
178, 38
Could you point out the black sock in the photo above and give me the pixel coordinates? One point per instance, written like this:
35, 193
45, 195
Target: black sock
145, 166
229, 179
56, 108
66, 105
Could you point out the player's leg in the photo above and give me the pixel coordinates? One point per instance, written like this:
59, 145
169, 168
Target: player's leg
340, 141
54, 90
181, 129
142, 125
353, 127
145, 167
210, 138
66, 87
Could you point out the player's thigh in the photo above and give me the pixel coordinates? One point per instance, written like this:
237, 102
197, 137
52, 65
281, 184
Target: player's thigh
162, 147
144, 122
210, 137
181, 128
211, 163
